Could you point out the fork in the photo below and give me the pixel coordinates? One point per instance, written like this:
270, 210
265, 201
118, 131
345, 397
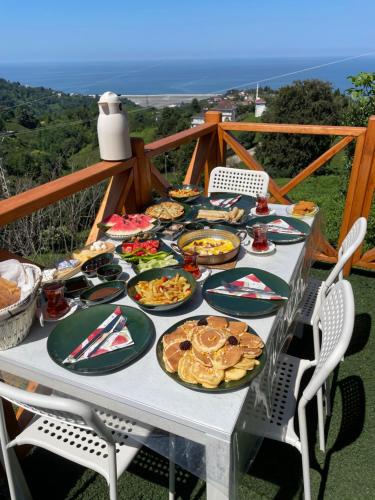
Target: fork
118, 327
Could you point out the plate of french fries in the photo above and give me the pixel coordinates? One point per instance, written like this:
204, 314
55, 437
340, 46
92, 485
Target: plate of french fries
161, 289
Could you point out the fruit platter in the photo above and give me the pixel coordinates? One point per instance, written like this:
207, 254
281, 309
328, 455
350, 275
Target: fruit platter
145, 254
121, 227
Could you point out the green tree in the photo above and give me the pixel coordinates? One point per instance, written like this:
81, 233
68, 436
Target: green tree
26, 118
362, 102
305, 102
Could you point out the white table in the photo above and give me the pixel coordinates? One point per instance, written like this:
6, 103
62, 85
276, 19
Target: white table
144, 392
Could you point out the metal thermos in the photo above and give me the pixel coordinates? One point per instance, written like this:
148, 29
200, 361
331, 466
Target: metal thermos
113, 129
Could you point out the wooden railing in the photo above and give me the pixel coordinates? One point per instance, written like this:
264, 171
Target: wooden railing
131, 182
361, 182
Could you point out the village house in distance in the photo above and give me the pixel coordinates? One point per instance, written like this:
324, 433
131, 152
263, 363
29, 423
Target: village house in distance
227, 105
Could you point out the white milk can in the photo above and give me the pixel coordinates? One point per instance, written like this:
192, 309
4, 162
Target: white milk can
113, 129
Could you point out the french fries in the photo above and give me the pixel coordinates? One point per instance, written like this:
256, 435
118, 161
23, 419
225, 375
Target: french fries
162, 290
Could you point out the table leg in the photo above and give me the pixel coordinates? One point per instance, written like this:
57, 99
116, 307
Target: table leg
220, 474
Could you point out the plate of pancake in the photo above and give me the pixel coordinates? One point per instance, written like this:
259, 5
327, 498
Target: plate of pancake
211, 353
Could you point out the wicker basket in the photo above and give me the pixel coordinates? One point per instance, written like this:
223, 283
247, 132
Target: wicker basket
14, 328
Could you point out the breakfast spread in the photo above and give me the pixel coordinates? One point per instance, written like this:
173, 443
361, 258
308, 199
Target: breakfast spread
162, 290
211, 351
231, 216
209, 246
184, 192
166, 210
304, 208
129, 225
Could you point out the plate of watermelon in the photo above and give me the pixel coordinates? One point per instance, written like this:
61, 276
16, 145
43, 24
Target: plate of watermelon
121, 227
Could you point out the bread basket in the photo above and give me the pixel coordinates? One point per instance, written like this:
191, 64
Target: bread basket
16, 320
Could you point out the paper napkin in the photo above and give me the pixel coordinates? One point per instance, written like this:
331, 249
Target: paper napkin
258, 289
282, 227
225, 202
120, 339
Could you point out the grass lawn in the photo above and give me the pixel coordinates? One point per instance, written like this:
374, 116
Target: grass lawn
344, 472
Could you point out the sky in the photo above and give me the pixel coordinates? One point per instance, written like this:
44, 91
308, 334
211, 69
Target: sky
47, 30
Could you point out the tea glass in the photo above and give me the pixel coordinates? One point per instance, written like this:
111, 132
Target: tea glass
262, 204
57, 305
190, 264
260, 242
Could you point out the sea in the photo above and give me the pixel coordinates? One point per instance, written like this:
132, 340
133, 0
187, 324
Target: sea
184, 76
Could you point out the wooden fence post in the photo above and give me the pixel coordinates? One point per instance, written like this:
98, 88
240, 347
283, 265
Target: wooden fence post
358, 199
217, 152
142, 178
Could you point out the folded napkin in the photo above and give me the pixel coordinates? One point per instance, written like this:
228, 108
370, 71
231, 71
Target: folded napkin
225, 202
115, 340
255, 289
282, 227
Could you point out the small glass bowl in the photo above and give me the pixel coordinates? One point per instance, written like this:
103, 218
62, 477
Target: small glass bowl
109, 272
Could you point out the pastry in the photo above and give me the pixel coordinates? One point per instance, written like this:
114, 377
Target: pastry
10, 293
167, 210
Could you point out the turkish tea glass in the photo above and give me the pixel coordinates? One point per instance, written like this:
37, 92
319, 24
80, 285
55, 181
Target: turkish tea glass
57, 305
262, 204
190, 264
260, 242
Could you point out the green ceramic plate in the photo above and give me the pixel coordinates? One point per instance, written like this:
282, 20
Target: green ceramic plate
186, 199
224, 386
118, 285
71, 331
241, 307
283, 238
152, 274
163, 247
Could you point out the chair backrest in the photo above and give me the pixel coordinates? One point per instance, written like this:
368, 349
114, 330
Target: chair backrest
237, 180
69, 411
336, 318
349, 245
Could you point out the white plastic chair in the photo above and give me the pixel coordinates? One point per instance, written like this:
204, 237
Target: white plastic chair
72, 429
337, 320
316, 289
237, 180
313, 298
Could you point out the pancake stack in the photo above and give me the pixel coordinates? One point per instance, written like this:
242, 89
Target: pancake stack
211, 351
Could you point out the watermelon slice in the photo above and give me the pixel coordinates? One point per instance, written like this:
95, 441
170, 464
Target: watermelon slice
131, 224
110, 221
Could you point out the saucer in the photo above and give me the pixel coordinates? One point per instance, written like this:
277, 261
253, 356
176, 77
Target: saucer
206, 273
72, 308
253, 212
271, 249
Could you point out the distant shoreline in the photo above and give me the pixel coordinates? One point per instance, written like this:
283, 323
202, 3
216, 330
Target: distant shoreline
164, 100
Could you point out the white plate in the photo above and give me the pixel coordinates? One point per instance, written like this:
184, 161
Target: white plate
271, 249
73, 307
290, 208
253, 212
